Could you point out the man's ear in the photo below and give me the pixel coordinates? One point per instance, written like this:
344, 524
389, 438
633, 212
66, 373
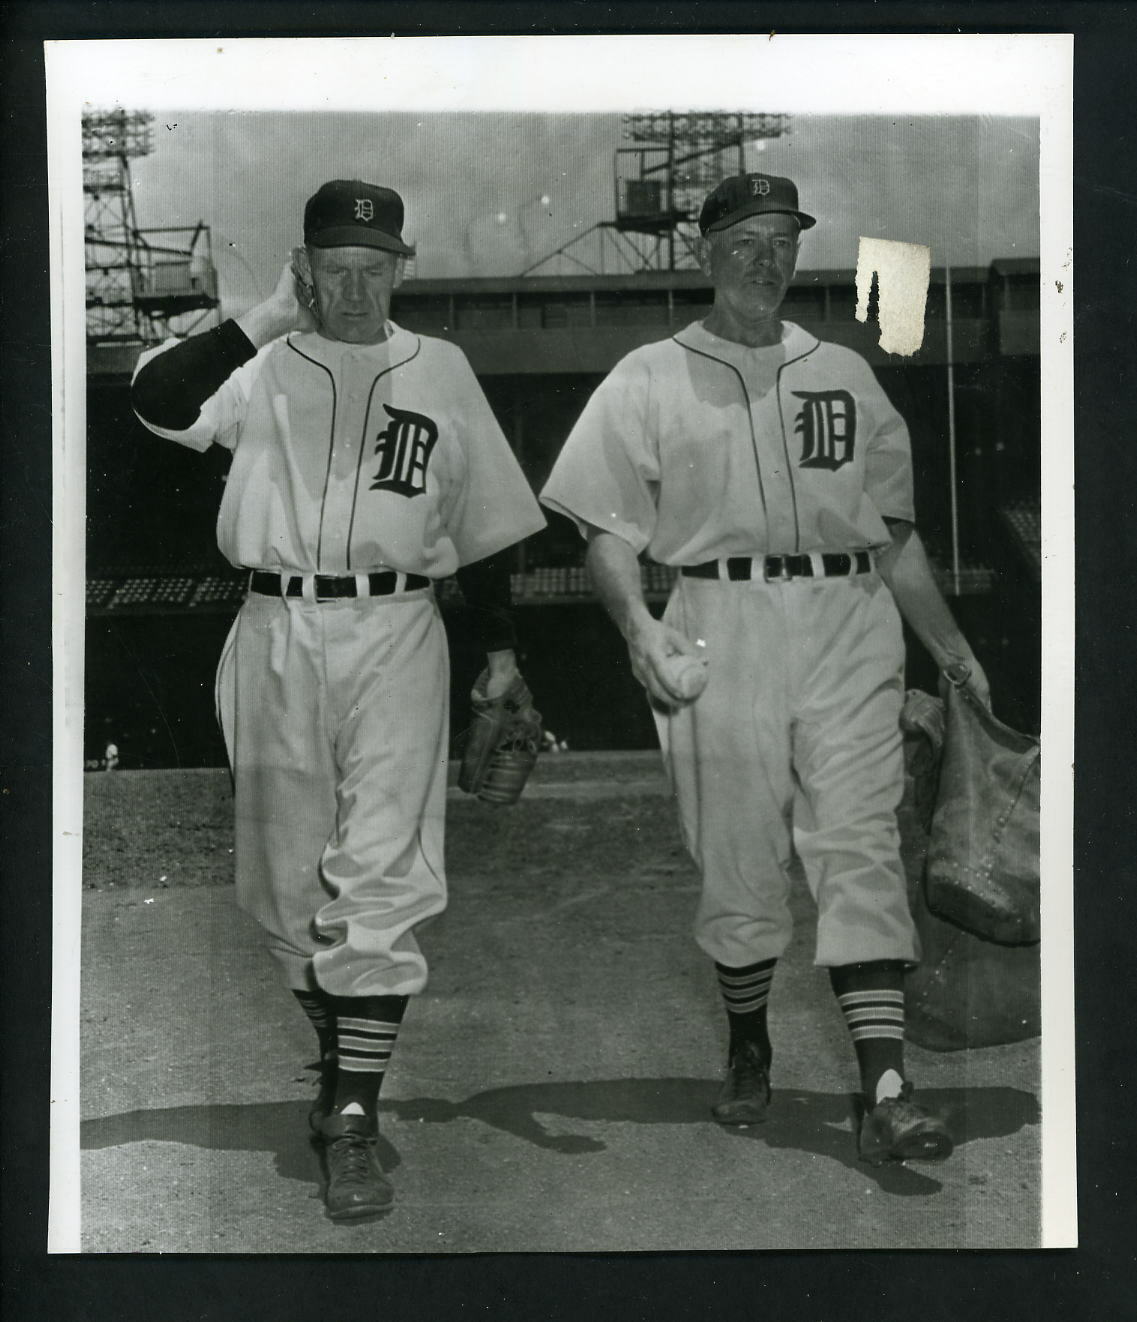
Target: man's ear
703, 254
400, 272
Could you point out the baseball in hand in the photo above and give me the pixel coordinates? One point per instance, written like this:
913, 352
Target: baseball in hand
687, 675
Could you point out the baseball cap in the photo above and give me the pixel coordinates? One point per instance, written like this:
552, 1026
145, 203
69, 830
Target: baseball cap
745, 195
347, 213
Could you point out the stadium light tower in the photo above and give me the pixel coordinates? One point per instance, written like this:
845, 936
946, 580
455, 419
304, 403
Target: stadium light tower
134, 286
674, 158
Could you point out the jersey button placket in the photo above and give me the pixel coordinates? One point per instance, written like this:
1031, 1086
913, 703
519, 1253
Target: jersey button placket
777, 480
345, 462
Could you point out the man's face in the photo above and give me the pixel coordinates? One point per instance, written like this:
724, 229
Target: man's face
751, 265
353, 289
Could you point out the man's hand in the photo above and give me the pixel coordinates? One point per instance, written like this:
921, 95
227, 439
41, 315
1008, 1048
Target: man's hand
905, 569
290, 307
502, 669
976, 681
650, 644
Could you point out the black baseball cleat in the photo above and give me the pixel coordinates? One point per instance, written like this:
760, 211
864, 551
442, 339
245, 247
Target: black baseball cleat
896, 1129
745, 1093
326, 1097
357, 1186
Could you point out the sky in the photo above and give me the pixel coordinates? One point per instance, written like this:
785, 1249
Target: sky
491, 192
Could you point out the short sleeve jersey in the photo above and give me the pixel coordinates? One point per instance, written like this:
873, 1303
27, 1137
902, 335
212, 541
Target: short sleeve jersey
694, 448
350, 458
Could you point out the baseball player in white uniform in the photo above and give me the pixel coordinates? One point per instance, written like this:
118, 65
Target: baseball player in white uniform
773, 472
366, 464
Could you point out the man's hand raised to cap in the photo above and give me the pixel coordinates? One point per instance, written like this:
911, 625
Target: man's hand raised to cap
290, 307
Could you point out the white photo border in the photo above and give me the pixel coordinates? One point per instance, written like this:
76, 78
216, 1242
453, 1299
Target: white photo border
1030, 74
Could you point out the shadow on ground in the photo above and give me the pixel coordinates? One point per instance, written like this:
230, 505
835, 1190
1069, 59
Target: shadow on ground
820, 1124
280, 1128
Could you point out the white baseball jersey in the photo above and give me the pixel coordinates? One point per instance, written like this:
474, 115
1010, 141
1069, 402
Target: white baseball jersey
349, 458
697, 447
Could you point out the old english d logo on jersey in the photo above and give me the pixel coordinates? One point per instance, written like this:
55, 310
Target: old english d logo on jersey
404, 450
827, 425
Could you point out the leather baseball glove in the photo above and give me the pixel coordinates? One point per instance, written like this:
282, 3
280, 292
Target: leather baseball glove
501, 744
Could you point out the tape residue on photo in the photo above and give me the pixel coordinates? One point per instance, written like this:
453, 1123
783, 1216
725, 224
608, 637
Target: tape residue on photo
902, 272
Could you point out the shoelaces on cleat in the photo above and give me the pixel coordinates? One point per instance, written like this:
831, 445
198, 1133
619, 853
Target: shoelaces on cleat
904, 1114
749, 1072
748, 1068
351, 1159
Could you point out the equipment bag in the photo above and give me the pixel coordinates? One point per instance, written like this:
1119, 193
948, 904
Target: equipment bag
966, 991
983, 852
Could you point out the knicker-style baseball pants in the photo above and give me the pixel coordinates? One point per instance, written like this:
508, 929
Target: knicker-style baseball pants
794, 743
335, 716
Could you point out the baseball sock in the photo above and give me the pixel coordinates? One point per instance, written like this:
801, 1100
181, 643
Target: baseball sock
317, 1006
366, 1029
871, 997
745, 992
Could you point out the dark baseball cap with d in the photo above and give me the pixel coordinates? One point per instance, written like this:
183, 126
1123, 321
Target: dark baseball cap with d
745, 195
347, 213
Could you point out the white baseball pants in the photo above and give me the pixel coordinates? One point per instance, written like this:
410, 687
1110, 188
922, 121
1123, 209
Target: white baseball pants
794, 743
335, 716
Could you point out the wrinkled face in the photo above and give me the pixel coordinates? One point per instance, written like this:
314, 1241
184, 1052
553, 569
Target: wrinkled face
751, 264
353, 289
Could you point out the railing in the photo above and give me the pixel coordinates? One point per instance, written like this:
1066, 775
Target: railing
208, 592
181, 283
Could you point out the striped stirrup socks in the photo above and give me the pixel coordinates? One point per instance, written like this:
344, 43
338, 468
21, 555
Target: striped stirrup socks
871, 997
745, 992
366, 1029
317, 1006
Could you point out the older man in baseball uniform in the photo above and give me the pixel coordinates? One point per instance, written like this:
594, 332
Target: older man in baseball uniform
772, 471
366, 464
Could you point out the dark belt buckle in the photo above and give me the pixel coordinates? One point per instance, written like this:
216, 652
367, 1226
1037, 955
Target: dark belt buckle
782, 574
331, 589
